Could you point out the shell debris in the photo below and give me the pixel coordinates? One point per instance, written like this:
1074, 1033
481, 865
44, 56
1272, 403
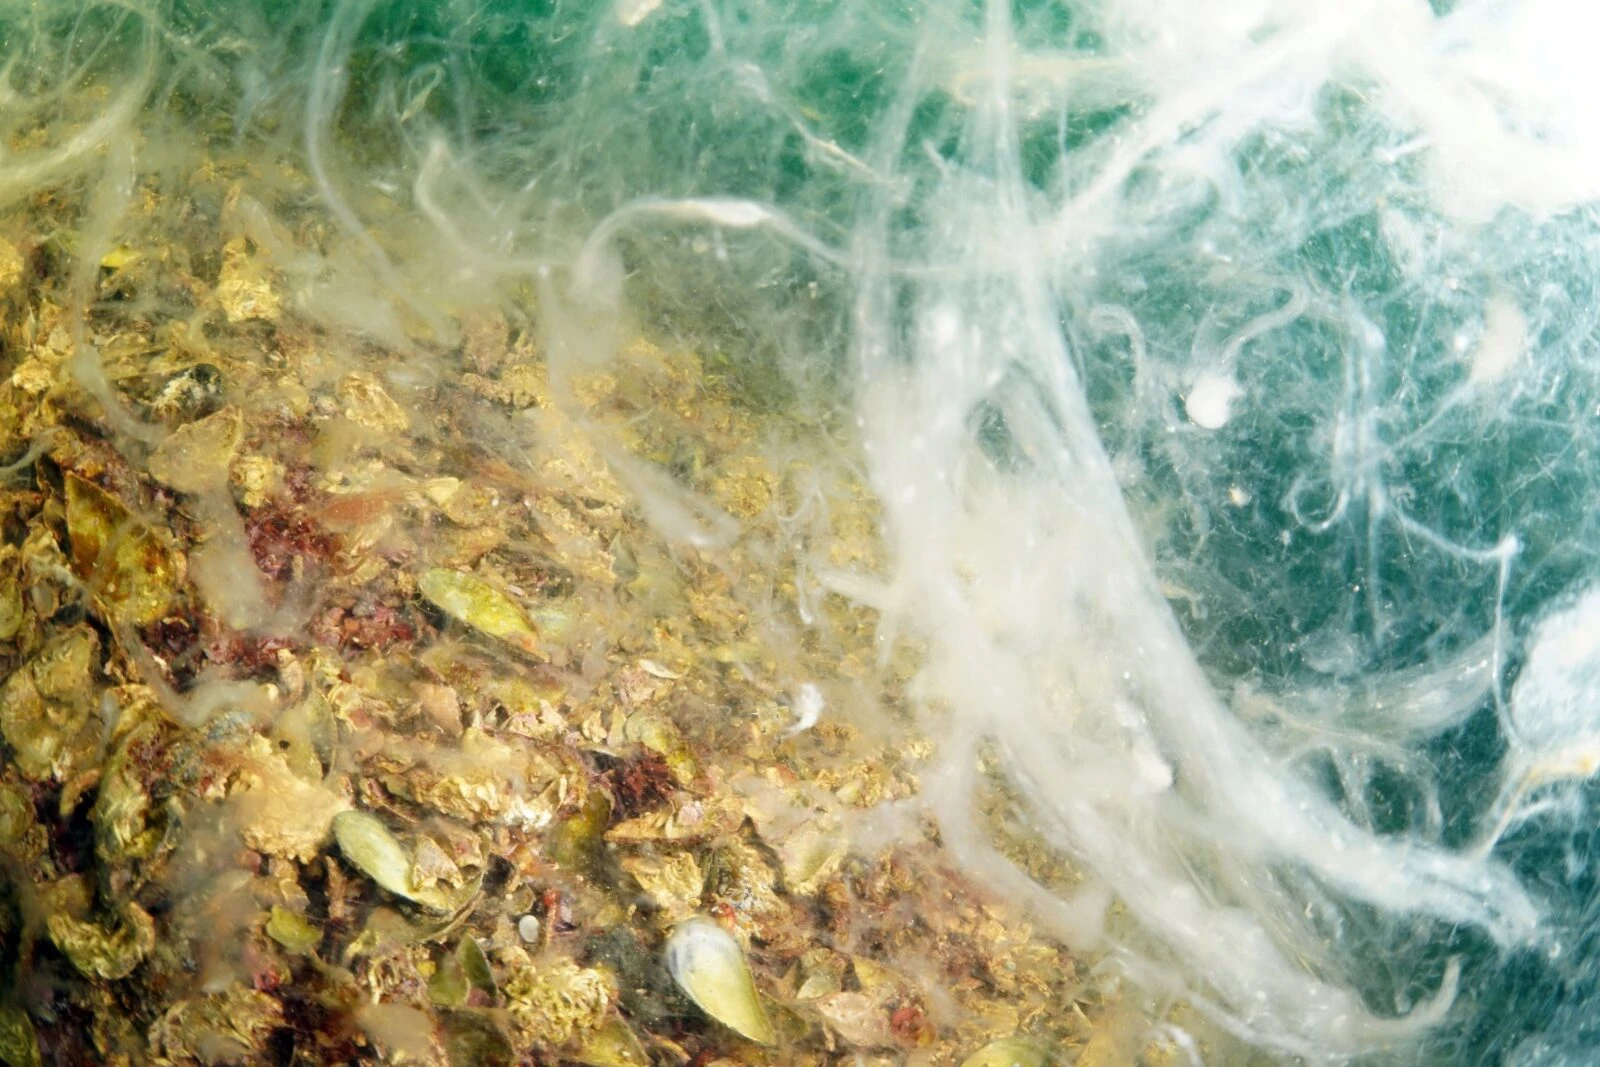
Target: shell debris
471, 600
708, 964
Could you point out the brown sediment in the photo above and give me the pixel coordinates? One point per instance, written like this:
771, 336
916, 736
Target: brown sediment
440, 685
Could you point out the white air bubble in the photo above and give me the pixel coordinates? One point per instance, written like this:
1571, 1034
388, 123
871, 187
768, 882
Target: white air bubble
1209, 403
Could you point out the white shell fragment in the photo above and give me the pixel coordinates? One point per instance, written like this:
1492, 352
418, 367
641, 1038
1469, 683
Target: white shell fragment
708, 964
1503, 344
377, 853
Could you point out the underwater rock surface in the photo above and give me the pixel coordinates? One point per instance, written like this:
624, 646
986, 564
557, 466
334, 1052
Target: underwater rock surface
1046, 530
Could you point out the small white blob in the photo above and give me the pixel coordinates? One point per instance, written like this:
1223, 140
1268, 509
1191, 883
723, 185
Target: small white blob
1505, 338
944, 327
725, 211
528, 928
1555, 704
656, 670
1209, 404
1154, 774
632, 12
808, 705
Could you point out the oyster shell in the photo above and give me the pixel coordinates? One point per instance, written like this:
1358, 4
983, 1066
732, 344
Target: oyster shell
101, 953
473, 601
380, 855
708, 964
1008, 1052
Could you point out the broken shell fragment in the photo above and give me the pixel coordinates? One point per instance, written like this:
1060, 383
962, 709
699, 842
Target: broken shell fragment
47, 707
859, 1018
244, 288
192, 393
101, 953
216, 1028
554, 1002
708, 964
1008, 1052
377, 853
373, 850
196, 456
473, 966
448, 986
292, 930
132, 567
11, 268
612, 1045
473, 601
19, 1047
470, 1037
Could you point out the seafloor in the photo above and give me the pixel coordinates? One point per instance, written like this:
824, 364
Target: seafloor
354, 711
